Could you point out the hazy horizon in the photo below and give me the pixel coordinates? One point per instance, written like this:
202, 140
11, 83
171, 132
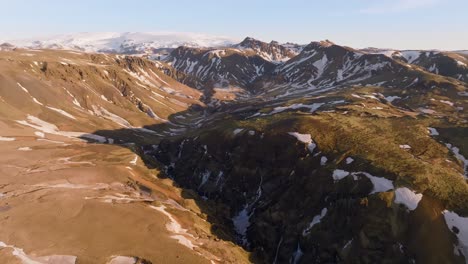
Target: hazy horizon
399, 24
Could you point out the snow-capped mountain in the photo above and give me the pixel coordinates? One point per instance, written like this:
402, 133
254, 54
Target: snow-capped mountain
238, 65
258, 67
222, 67
273, 51
325, 64
124, 43
447, 63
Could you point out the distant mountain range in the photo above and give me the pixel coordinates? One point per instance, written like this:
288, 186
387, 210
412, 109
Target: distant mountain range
252, 67
147, 42
123, 43
279, 70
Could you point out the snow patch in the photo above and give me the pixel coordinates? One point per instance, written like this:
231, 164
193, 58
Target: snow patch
312, 108
134, 161
204, 178
22, 87
52, 141
237, 131
462, 64
323, 160
122, 260
39, 134
27, 91
24, 149
7, 138
67, 185
320, 65
105, 98
415, 81
173, 226
456, 153
102, 112
411, 55
98, 138
433, 131
390, 99
118, 198
357, 96
297, 255
348, 244
339, 174
407, 197
305, 138
46, 127
25, 259
60, 111
242, 222
453, 220
446, 102
380, 184
315, 220
427, 111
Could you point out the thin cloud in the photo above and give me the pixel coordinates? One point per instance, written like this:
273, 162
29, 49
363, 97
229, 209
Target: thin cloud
395, 6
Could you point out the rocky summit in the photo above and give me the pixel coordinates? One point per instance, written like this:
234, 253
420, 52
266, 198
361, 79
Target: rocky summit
195, 149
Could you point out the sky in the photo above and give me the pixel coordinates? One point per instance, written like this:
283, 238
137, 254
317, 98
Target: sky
398, 24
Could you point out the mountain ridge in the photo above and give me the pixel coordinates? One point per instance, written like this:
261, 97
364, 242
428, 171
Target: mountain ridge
126, 42
222, 155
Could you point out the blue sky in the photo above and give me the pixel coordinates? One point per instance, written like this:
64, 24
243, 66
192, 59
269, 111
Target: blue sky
403, 24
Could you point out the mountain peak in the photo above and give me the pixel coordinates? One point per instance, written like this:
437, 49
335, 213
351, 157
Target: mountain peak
319, 44
249, 41
273, 51
324, 43
327, 42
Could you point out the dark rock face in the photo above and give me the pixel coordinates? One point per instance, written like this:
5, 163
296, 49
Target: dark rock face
273, 51
285, 206
219, 68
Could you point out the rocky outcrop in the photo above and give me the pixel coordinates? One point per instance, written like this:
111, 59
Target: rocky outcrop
285, 204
